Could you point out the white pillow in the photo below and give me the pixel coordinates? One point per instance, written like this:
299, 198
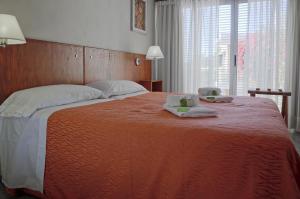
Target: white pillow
117, 87
25, 102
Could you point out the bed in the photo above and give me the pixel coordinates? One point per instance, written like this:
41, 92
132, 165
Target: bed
130, 147
134, 149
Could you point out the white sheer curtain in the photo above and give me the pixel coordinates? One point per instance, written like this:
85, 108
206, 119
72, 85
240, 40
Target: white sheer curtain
262, 44
188, 33
206, 44
199, 38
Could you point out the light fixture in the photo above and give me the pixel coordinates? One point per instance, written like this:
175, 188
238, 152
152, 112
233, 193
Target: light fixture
10, 31
137, 61
154, 52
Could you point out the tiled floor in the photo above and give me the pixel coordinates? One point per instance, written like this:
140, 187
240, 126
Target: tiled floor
3, 195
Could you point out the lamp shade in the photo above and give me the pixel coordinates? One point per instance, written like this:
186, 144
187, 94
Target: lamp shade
10, 31
154, 52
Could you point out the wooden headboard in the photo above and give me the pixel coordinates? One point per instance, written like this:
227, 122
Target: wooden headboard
112, 65
40, 63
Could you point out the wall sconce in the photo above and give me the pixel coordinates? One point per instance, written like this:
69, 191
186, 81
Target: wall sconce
138, 61
10, 31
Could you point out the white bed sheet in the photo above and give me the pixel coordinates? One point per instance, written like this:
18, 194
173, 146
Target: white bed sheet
23, 146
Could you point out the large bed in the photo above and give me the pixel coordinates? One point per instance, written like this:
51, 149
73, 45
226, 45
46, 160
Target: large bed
130, 147
133, 148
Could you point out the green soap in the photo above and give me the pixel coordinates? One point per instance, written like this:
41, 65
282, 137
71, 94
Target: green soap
210, 98
183, 102
183, 109
214, 93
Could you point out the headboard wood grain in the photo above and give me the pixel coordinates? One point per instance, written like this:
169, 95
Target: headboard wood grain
40, 63
101, 64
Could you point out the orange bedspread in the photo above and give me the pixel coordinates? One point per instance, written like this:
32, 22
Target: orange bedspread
134, 149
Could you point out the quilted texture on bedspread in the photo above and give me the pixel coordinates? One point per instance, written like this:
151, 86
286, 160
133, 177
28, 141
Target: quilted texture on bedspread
132, 148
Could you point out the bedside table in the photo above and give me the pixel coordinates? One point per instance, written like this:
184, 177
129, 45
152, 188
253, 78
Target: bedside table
152, 85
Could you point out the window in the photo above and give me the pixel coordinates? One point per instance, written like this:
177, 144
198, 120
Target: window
210, 61
235, 45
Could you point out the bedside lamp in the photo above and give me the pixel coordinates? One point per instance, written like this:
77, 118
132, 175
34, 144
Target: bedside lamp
10, 31
154, 53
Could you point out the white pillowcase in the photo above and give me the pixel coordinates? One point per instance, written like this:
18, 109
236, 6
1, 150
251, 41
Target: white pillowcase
25, 102
117, 87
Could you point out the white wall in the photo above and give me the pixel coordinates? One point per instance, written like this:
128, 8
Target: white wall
96, 23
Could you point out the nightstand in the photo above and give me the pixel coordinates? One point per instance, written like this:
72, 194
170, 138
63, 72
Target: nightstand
152, 85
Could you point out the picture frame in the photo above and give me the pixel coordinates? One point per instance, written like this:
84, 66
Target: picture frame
139, 16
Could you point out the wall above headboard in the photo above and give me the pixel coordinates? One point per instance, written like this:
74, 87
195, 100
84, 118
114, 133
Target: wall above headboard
97, 23
40, 63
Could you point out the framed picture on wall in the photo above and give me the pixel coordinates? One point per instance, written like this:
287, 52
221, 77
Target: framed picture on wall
139, 16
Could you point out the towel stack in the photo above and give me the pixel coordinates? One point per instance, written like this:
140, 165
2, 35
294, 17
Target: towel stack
213, 95
209, 91
182, 100
187, 106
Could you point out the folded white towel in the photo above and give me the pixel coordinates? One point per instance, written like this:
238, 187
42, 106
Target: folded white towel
217, 99
175, 100
197, 111
208, 91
